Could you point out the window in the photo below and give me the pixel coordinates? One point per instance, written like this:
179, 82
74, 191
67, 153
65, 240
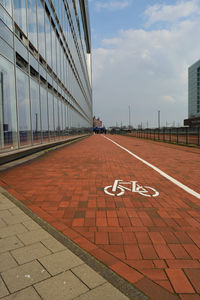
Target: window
56, 120
51, 116
5, 17
20, 14
41, 30
8, 116
48, 40
54, 39
8, 5
66, 120
60, 116
58, 58
23, 101
44, 113
32, 22
35, 111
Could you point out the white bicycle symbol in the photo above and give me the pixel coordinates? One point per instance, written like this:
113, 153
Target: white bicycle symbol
117, 189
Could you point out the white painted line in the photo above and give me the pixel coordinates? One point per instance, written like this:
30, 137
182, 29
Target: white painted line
178, 183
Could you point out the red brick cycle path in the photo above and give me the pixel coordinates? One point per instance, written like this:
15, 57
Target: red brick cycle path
154, 243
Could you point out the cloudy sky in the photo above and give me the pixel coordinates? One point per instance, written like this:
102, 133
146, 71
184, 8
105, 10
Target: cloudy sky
141, 53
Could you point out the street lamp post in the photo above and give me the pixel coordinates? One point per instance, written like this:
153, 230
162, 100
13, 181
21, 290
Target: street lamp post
129, 116
159, 119
159, 124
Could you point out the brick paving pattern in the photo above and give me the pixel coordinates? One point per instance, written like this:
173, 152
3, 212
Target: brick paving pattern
35, 266
154, 243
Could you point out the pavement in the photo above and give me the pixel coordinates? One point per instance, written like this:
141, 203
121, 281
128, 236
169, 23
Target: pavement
34, 265
143, 239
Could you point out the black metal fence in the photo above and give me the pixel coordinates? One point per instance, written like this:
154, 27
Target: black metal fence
179, 135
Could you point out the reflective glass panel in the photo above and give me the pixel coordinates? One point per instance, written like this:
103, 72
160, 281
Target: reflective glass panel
8, 5
61, 59
51, 116
5, 49
60, 116
57, 7
54, 38
48, 40
23, 108
20, 14
32, 22
41, 30
63, 117
44, 113
58, 58
66, 118
57, 128
8, 117
62, 12
5, 18
70, 118
35, 111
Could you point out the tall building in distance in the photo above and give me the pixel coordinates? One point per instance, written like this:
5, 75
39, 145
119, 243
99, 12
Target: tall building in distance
193, 95
194, 90
45, 71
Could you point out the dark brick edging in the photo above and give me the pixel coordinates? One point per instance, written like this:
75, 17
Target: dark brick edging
21, 153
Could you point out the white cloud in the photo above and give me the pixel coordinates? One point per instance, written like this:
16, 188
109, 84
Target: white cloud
169, 98
111, 5
171, 13
147, 70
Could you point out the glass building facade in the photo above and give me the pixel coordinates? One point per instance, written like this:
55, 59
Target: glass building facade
194, 90
45, 73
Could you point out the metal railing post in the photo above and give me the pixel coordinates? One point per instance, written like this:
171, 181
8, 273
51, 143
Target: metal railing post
186, 135
177, 135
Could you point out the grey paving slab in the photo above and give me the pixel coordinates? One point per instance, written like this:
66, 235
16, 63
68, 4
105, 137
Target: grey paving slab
16, 219
16, 211
5, 203
91, 278
32, 237
60, 262
12, 230
10, 243
3, 290
29, 253
5, 213
62, 287
105, 291
26, 294
24, 276
2, 223
31, 225
6, 262
53, 245
32, 249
